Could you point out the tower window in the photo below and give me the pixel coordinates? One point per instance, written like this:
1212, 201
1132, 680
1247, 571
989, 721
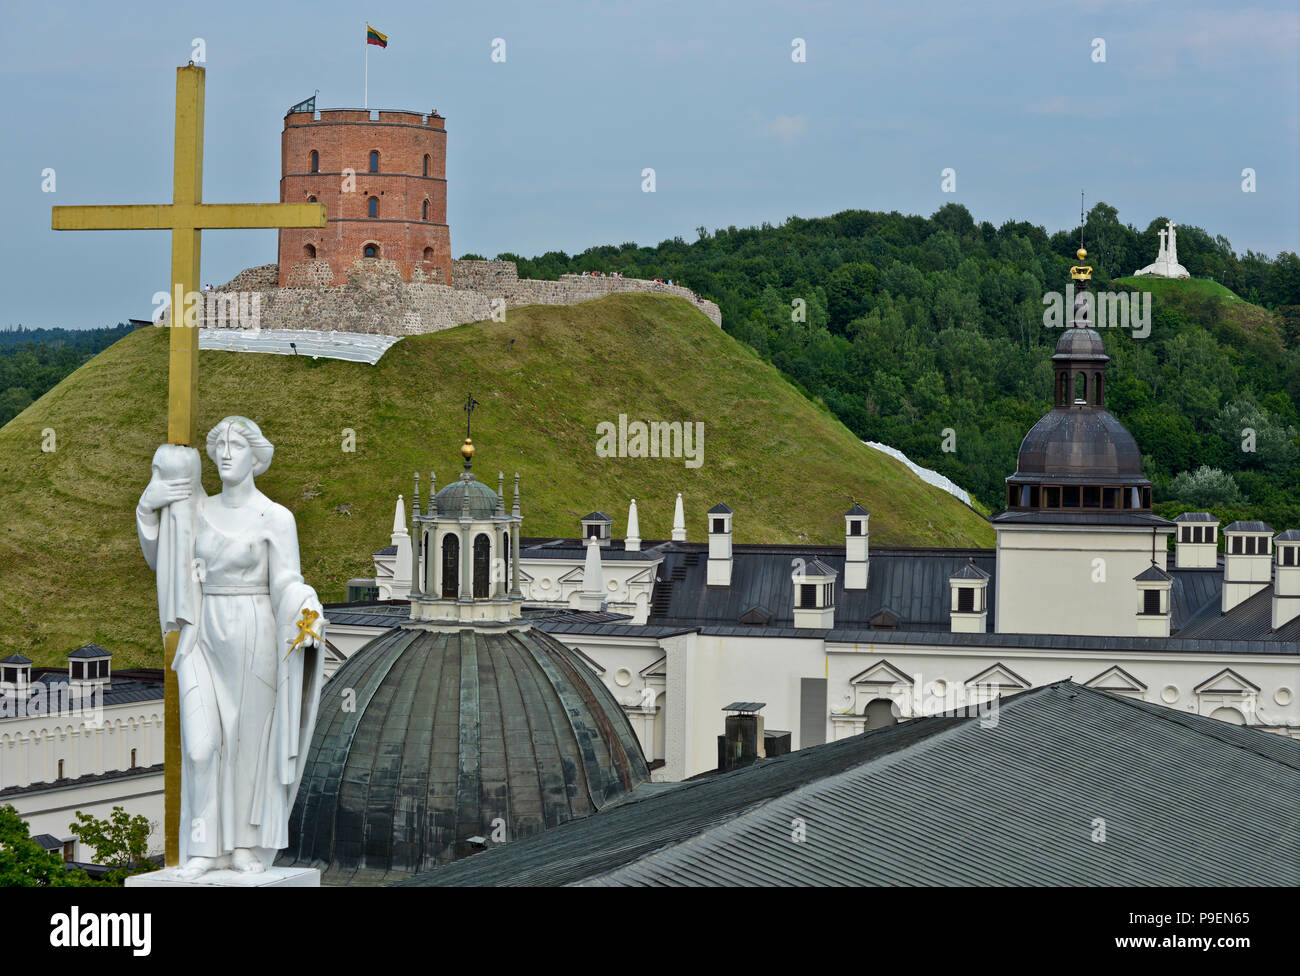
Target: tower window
372, 206
309, 252
1080, 388
807, 596
1150, 601
1288, 555
315, 161
426, 164
370, 251
482, 565
133, 759
374, 160
60, 776
965, 599
428, 254
450, 567
855, 527
424, 211
719, 525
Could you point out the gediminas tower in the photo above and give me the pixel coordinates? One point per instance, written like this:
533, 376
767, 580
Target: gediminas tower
383, 179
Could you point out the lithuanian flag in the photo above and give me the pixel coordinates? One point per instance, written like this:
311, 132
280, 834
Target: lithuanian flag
374, 37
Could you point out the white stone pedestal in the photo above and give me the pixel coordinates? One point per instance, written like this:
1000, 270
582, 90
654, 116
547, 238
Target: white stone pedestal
272, 877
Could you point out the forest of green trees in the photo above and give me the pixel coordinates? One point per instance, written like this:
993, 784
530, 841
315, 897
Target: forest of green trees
913, 325
33, 360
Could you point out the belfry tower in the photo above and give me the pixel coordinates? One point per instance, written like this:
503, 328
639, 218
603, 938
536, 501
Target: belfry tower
1077, 542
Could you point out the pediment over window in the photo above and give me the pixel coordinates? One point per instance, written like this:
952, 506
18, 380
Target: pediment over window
1227, 682
656, 669
881, 673
1001, 675
1116, 679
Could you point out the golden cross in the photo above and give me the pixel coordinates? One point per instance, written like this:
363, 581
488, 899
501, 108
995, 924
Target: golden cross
186, 216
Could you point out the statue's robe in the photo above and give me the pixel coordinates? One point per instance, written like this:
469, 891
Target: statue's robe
248, 705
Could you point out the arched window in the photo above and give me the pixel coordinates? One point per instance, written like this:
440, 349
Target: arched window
309, 252
424, 212
1080, 388
879, 713
450, 567
426, 164
374, 160
428, 254
312, 199
373, 206
505, 557
315, 161
482, 565
370, 251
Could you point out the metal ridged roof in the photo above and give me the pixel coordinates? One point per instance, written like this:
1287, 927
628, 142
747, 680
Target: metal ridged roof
426, 739
1186, 800
914, 583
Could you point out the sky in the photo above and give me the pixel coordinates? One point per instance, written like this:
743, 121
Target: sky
546, 149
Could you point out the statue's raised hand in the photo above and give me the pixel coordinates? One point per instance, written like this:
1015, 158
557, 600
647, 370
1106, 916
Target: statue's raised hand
160, 493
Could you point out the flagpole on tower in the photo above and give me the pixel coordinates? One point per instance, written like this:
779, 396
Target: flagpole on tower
366, 97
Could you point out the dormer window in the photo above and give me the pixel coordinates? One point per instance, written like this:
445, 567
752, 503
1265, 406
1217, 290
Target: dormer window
814, 594
16, 670
597, 525
89, 664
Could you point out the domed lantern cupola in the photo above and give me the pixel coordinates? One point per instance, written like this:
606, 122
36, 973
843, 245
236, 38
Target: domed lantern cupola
1078, 459
1077, 529
468, 551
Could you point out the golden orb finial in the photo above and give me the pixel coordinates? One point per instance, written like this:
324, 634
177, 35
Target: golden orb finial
1081, 253
467, 449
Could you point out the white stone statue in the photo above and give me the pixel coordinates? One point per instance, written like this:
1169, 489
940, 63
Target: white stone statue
1166, 265
249, 657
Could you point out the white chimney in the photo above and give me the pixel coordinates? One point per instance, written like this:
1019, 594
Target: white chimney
1247, 561
855, 548
679, 521
633, 541
719, 546
1286, 578
401, 585
592, 594
1196, 544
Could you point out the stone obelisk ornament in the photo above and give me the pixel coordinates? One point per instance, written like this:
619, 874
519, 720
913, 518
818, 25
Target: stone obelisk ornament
249, 658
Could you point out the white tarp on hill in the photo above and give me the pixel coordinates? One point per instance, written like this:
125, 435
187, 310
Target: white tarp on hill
925, 474
356, 347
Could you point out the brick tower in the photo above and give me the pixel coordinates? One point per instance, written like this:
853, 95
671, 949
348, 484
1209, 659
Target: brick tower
393, 208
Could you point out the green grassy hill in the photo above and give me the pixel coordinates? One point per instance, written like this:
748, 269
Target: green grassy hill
1160, 287
71, 570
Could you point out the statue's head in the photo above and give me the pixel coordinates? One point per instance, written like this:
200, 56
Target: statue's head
238, 449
